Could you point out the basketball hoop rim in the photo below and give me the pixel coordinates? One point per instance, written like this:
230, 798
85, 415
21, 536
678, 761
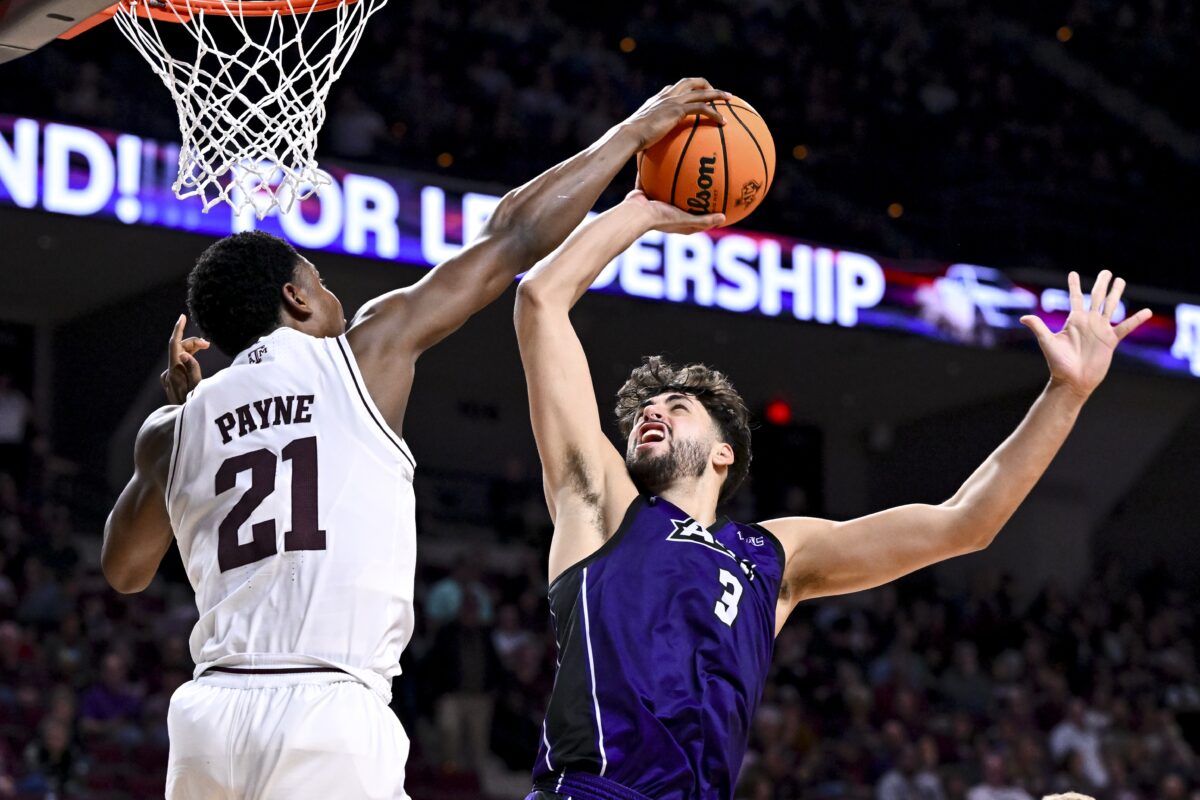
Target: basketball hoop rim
183, 10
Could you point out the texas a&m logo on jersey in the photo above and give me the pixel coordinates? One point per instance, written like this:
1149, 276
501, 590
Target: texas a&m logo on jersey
688, 530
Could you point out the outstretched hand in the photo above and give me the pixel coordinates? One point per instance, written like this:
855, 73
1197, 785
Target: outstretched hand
670, 219
183, 371
662, 112
1080, 354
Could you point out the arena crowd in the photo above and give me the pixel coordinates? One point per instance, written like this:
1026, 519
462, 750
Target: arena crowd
910, 691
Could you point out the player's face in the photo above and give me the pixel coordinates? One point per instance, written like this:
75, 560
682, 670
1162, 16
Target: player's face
673, 438
328, 315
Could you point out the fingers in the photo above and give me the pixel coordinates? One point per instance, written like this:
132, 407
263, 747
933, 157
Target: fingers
193, 344
702, 96
679, 221
696, 224
1075, 292
688, 85
192, 369
1100, 290
175, 346
704, 109
1131, 324
1114, 298
709, 221
1036, 325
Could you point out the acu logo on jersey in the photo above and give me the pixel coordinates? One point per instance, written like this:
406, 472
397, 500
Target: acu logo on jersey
689, 530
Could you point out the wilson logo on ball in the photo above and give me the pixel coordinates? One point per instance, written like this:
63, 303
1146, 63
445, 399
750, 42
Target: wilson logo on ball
700, 202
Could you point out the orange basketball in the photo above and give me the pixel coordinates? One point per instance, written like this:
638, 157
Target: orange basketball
705, 168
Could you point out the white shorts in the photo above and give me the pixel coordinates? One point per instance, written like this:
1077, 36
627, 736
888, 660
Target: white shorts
318, 735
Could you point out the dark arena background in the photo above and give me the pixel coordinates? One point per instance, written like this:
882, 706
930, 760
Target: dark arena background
942, 166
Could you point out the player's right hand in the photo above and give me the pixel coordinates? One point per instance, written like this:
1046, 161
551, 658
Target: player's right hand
662, 112
669, 219
183, 371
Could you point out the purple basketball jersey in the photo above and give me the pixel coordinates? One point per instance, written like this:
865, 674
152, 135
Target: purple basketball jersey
665, 636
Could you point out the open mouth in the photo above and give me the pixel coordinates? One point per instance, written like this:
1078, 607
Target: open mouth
652, 433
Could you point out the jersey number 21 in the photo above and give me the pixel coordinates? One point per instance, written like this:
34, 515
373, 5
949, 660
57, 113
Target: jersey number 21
262, 465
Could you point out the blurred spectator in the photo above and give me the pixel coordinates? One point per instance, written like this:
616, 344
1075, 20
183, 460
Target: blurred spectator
8, 784
53, 764
908, 781
995, 785
110, 709
963, 684
15, 416
463, 671
509, 638
1078, 734
448, 595
355, 128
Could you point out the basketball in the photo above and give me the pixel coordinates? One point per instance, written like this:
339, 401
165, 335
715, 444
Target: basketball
705, 168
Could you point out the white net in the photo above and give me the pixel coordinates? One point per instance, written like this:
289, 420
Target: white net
250, 91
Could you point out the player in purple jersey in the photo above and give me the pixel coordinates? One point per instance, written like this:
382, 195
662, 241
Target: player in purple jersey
664, 613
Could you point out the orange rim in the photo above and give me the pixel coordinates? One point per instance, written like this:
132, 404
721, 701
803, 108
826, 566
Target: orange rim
182, 10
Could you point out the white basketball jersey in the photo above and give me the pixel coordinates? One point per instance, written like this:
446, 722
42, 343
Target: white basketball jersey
292, 503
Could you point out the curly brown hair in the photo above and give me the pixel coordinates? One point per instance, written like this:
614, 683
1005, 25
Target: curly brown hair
711, 388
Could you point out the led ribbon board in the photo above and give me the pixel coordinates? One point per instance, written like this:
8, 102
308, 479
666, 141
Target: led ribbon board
391, 216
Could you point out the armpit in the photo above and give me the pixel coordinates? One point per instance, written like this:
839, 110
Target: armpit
583, 484
799, 584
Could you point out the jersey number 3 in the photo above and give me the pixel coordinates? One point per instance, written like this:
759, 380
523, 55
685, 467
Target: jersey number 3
727, 607
262, 464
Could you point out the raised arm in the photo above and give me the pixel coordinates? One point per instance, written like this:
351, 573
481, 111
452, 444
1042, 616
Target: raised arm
826, 558
587, 486
138, 531
390, 332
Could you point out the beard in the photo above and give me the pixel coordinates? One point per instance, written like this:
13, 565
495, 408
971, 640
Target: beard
654, 473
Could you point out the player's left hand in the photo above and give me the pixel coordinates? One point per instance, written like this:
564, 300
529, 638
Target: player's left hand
1079, 355
183, 371
662, 112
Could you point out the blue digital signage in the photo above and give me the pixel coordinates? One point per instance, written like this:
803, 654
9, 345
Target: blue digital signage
391, 216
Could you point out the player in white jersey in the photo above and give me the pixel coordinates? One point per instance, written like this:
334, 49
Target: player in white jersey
287, 484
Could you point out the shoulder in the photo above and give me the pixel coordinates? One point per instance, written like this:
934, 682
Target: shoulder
792, 532
381, 324
159, 425
793, 535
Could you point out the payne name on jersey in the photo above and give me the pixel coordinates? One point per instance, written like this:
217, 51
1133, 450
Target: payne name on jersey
688, 530
268, 412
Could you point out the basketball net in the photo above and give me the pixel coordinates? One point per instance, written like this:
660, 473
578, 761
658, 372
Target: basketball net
250, 108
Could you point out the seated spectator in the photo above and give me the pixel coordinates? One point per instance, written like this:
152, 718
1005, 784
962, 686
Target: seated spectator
446, 596
995, 785
15, 415
908, 781
462, 670
110, 709
1078, 734
53, 765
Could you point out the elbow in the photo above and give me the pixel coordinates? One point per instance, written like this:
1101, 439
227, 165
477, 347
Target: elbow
503, 220
979, 540
121, 575
122, 580
531, 299
508, 224
969, 531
